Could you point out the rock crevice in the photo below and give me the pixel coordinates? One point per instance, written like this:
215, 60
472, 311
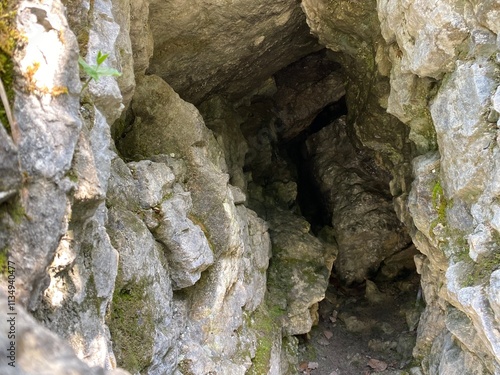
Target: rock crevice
188, 216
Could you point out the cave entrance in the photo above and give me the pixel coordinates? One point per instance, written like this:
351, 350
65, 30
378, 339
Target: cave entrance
305, 157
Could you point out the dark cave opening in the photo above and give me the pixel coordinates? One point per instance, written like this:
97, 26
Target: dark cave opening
309, 196
339, 185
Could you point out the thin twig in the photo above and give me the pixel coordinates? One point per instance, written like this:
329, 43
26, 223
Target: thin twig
5, 102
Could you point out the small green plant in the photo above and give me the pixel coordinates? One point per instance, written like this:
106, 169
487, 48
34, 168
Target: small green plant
97, 71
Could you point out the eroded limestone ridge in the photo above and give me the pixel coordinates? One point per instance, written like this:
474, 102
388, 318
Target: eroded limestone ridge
186, 216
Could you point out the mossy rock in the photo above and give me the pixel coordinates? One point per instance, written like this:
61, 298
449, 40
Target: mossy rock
131, 323
9, 38
266, 322
4, 258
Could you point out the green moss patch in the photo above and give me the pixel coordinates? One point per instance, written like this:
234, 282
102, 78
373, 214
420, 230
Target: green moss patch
440, 204
266, 323
15, 209
131, 323
9, 38
4, 257
480, 273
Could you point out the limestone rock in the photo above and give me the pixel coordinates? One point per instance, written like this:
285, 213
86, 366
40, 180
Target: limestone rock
47, 118
228, 292
83, 272
225, 122
169, 125
140, 35
122, 12
181, 124
206, 47
102, 37
141, 310
82, 281
463, 134
424, 52
343, 178
304, 89
188, 252
122, 189
154, 181
408, 101
40, 351
300, 270
9, 166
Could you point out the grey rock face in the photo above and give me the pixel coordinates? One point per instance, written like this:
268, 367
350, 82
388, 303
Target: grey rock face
40, 351
366, 229
462, 131
304, 89
9, 166
207, 48
225, 123
154, 181
188, 251
46, 136
162, 251
425, 52
141, 310
300, 270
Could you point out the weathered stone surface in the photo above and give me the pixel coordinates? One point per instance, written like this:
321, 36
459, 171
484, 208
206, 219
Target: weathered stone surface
9, 166
40, 351
83, 272
122, 189
140, 35
165, 124
102, 37
188, 251
154, 181
299, 271
228, 293
408, 101
425, 52
122, 13
488, 14
366, 229
209, 47
47, 117
463, 135
304, 89
82, 280
141, 310
394, 55
225, 123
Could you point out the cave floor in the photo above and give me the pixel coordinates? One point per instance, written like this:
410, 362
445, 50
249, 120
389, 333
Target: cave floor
365, 330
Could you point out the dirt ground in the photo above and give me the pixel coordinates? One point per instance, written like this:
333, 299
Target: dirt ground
368, 329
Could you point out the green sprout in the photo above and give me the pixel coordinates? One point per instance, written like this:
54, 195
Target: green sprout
97, 71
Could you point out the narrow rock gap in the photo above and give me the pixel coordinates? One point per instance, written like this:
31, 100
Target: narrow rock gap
317, 169
311, 203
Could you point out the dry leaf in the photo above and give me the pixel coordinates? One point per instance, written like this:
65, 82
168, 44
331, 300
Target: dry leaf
377, 365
